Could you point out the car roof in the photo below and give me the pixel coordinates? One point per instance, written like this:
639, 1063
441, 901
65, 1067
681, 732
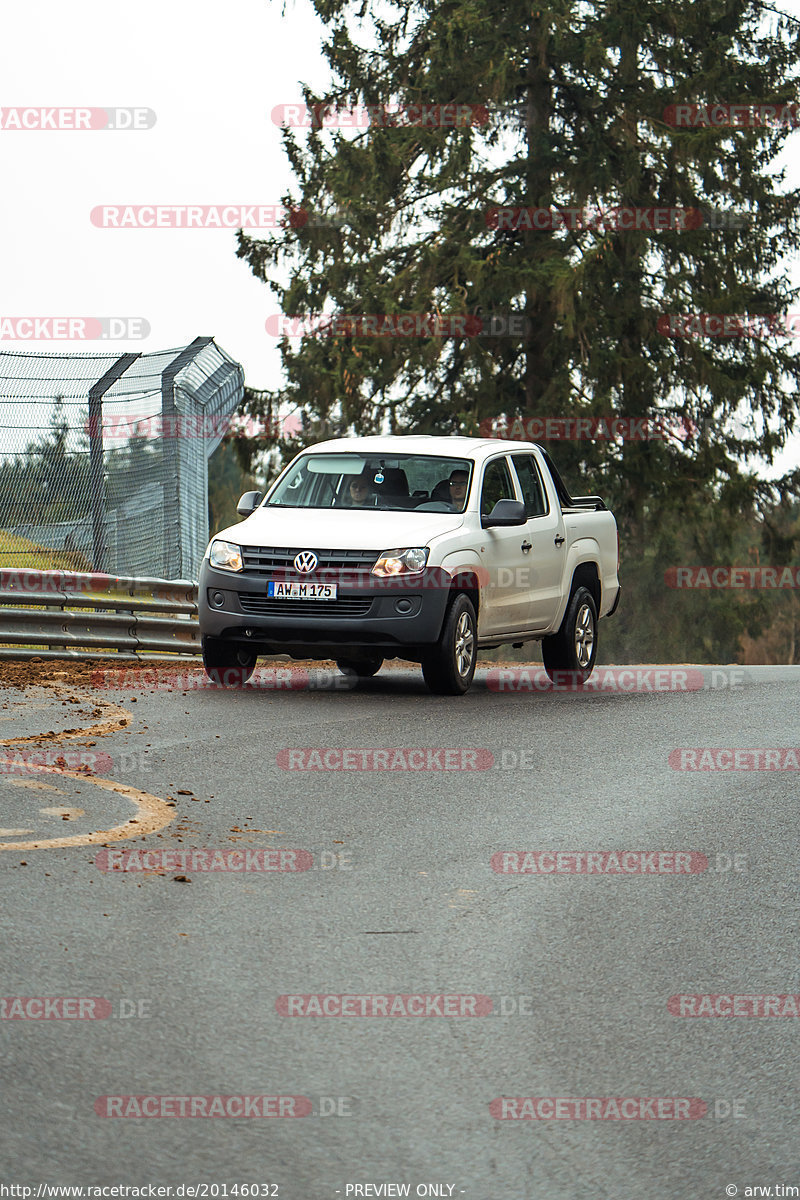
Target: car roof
446, 447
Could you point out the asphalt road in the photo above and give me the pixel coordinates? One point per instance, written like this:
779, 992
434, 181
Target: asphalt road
578, 956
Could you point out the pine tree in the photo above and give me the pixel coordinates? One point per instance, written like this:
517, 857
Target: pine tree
581, 100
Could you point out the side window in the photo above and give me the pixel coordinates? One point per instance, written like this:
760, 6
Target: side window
531, 484
497, 485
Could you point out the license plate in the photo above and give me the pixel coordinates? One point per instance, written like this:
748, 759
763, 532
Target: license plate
277, 590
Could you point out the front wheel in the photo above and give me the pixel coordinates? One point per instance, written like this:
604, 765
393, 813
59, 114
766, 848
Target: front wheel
574, 648
225, 664
448, 669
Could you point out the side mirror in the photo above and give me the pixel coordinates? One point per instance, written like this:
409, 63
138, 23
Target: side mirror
505, 513
249, 503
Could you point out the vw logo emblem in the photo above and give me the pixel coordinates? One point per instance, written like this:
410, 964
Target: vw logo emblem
305, 561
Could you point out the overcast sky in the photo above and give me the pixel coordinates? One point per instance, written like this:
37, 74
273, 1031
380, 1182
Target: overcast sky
212, 75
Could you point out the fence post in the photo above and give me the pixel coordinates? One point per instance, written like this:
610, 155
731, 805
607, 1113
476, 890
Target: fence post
173, 550
97, 482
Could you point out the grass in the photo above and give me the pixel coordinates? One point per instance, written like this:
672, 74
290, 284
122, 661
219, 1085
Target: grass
17, 552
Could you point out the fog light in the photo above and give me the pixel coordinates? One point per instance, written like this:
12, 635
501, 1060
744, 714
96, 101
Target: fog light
403, 606
218, 600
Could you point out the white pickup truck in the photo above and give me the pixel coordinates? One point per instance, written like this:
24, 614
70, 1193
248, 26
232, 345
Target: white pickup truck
420, 548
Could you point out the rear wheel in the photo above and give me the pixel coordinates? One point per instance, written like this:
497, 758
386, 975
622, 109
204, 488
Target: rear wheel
573, 649
448, 669
362, 668
226, 664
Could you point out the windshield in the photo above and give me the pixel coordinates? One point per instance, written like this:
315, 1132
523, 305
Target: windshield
413, 482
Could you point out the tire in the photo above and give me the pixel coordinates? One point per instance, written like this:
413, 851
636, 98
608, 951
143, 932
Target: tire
448, 669
363, 668
227, 665
574, 648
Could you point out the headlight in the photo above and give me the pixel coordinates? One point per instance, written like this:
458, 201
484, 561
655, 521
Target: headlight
401, 562
225, 556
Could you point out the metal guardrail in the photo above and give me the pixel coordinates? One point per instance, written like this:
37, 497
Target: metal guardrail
77, 615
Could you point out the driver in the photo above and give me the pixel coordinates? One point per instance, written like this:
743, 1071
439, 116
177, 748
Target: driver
357, 491
458, 488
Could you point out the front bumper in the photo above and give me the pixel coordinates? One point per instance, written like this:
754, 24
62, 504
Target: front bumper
369, 614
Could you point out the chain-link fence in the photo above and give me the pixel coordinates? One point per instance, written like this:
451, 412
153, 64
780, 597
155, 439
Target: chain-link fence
103, 458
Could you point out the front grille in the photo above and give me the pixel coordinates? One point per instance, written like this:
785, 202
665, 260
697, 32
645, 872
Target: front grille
264, 560
258, 605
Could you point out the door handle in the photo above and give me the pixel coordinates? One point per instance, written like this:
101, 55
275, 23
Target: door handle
526, 546
559, 540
